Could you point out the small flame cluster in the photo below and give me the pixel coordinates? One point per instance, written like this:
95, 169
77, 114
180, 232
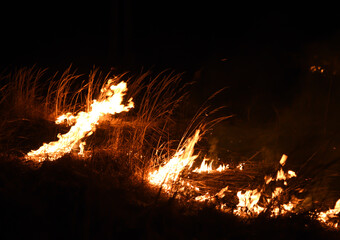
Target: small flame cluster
168, 175
208, 167
327, 216
318, 69
248, 201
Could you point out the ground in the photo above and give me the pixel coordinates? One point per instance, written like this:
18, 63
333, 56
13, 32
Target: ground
74, 199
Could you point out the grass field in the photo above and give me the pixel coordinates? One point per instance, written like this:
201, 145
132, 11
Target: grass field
106, 194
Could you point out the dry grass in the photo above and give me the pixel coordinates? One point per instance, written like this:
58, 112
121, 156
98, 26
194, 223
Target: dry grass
32, 98
109, 184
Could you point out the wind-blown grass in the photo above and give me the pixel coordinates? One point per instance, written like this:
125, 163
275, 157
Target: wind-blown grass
31, 99
108, 188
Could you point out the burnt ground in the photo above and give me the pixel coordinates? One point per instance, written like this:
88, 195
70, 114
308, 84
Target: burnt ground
74, 199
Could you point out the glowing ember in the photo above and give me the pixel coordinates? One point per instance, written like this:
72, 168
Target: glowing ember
240, 166
84, 123
317, 69
283, 159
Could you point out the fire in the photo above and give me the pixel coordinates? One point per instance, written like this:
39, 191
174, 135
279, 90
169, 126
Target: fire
204, 167
326, 216
169, 173
84, 123
248, 203
281, 175
240, 166
207, 168
207, 196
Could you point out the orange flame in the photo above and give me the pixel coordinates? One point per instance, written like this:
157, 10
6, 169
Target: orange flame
84, 123
248, 203
281, 175
326, 216
169, 173
207, 168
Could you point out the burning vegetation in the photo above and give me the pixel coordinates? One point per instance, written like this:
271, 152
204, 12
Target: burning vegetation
127, 125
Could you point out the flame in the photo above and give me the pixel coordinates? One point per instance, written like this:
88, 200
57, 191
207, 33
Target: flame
248, 203
268, 179
204, 167
240, 166
203, 198
222, 168
291, 174
281, 175
326, 216
277, 192
207, 168
221, 193
84, 123
207, 196
169, 173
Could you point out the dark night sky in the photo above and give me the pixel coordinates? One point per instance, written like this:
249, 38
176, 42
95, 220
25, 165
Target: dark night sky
262, 53
144, 33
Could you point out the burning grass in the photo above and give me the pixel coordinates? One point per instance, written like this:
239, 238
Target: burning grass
108, 141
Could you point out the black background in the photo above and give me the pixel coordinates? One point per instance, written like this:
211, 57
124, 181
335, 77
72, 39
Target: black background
176, 34
260, 51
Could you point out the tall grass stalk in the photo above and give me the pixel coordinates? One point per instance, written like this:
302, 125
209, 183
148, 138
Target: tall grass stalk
32, 94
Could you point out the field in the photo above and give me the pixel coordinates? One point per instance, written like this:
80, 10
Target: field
106, 191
